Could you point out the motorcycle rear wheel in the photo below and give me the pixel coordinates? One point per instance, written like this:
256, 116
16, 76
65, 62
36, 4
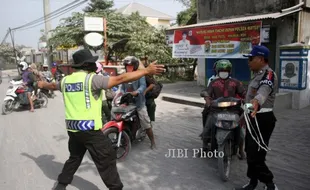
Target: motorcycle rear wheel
7, 107
125, 142
225, 162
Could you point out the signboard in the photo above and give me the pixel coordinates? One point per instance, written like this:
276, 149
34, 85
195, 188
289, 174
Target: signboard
290, 73
93, 39
93, 24
220, 41
169, 40
42, 46
265, 34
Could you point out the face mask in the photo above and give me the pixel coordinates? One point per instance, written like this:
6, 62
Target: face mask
223, 75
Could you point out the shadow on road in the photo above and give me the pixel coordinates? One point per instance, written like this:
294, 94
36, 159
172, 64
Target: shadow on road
51, 169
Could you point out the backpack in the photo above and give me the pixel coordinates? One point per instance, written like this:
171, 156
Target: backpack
154, 93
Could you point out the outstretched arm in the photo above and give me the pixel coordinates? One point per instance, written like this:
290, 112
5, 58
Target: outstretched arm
152, 69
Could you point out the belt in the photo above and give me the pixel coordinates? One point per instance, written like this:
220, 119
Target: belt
264, 110
80, 125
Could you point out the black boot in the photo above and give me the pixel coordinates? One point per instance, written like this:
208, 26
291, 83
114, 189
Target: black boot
60, 186
271, 186
250, 186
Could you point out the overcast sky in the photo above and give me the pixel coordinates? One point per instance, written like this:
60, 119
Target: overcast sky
14, 13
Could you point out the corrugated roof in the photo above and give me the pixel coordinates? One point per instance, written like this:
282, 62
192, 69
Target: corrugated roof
240, 19
143, 11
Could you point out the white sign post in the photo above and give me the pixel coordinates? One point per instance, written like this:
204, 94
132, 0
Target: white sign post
93, 24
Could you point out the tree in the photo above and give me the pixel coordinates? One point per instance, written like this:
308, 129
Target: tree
6, 52
144, 40
184, 16
98, 5
43, 36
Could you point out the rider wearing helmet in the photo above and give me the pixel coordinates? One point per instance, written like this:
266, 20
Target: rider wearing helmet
137, 89
28, 79
223, 86
46, 73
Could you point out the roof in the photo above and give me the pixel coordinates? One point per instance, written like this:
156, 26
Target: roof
143, 11
240, 19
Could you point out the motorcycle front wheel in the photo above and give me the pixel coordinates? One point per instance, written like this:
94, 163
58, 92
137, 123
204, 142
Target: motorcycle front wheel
7, 107
125, 145
44, 100
225, 161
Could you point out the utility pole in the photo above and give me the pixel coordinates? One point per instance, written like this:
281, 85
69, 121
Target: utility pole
48, 27
14, 49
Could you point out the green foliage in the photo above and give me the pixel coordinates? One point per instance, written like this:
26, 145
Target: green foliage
184, 16
7, 52
144, 39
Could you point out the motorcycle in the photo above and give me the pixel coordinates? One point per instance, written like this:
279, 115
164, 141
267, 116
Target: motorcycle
59, 75
16, 96
225, 131
125, 126
48, 93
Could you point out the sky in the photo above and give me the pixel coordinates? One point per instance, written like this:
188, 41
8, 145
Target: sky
15, 13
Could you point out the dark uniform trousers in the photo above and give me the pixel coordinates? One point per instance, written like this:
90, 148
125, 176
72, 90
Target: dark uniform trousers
257, 168
102, 153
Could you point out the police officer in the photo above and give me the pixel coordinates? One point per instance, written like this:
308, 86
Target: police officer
261, 93
82, 92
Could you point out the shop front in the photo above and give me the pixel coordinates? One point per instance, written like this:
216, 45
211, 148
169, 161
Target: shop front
231, 38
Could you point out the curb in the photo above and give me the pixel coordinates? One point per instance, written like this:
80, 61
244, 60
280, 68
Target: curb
179, 100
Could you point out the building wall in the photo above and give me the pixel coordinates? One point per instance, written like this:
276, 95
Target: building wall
162, 22
152, 21
304, 35
157, 22
217, 9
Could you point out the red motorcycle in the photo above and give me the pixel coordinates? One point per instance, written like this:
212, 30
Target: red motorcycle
124, 128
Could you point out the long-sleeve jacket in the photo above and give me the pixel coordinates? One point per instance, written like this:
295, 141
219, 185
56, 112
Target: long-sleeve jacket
139, 86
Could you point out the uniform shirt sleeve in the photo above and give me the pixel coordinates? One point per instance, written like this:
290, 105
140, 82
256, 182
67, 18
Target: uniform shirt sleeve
265, 87
100, 82
58, 85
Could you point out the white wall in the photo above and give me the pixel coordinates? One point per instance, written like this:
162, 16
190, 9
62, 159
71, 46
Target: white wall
201, 69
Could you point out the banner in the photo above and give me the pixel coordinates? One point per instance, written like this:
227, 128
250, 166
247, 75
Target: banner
220, 41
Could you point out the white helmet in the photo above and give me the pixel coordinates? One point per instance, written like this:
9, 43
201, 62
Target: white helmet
24, 65
45, 65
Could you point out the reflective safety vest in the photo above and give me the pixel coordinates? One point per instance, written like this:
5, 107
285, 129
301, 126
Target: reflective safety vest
83, 111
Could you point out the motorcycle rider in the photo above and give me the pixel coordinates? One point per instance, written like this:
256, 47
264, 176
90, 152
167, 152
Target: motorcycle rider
224, 86
82, 91
46, 73
137, 89
28, 79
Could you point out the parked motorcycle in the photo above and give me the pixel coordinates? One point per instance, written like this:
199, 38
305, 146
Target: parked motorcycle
225, 131
16, 96
48, 93
125, 126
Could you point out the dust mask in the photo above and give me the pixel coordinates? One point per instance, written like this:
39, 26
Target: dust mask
223, 75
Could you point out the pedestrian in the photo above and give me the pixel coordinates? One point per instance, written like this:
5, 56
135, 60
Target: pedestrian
261, 93
82, 91
149, 99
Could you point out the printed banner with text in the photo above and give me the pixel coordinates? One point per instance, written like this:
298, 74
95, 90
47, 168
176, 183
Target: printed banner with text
220, 41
